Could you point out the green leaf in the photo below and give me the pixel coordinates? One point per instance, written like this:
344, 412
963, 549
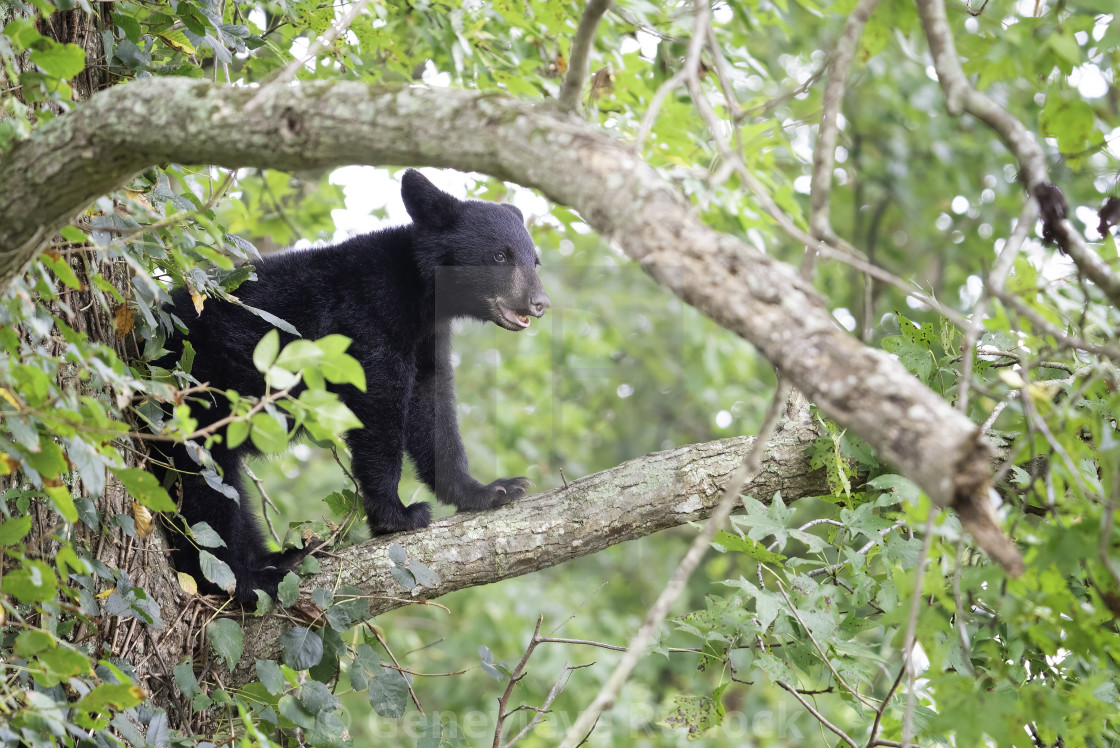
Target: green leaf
14, 530
316, 697
186, 679
365, 667
217, 571
265, 353
225, 638
62, 270
696, 713
287, 592
269, 673
435, 732
63, 501
273, 320
290, 708
111, 696
236, 433
60, 60
61, 663
186, 360
33, 582
424, 576
351, 607
144, 487
301, 647
268, 434
22, 32
49, 462
388, 694
752, 548
32, 642
328, 416
298, 355
205, 536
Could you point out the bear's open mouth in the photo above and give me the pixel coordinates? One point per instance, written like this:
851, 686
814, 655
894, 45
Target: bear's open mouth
516, 321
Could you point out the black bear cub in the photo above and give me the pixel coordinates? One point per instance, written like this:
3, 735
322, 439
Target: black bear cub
393, 293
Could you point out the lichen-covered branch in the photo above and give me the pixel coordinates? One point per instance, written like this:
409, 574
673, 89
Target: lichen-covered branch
635, 499
66, 163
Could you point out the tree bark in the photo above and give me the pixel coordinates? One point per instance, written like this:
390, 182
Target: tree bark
79, 156
635, 499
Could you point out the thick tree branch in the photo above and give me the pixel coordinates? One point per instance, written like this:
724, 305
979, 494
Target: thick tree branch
635, 499
961, 97
68, 162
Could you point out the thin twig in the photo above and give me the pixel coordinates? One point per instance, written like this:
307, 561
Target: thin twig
1049, 328
824, 154
579, 61
557, 687
994, 282
397, 665
313, 49
517, 674
266, 503
689, 71
820, 717
911, 631
873, 739
820, 650
660, 609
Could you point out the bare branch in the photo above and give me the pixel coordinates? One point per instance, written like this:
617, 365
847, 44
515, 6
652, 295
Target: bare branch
700, 544
993, 283
912, 630
825, 153
960, 98
579, 63
686, 73
1047, 327
820, 717
320, 43
875, 726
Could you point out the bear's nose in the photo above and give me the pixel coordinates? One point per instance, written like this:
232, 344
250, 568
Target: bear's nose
539, 304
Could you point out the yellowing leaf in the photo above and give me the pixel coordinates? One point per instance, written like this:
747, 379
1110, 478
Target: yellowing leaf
1011, 378
1045, 391
123, 320
197, 299
178, 40
187, 583
143, 519
8, 464
10, 398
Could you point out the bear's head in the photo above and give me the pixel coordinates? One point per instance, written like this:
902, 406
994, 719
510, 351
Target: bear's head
481, 257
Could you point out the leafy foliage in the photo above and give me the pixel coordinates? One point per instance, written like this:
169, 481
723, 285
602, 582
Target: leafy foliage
806, 602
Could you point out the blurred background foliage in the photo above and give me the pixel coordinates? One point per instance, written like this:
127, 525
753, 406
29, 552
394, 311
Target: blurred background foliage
621, 368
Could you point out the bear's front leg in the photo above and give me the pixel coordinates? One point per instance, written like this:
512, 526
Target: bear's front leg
433, 439
377, 451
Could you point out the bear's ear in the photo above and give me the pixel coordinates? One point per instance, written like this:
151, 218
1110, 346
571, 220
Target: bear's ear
515, 209
427, 204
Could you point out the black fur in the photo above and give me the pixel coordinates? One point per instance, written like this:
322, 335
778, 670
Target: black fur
394, 293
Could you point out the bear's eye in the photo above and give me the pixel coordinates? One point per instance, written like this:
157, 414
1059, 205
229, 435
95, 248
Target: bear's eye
499, 257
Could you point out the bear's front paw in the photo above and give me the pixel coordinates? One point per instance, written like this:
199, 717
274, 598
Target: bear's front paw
502, 492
